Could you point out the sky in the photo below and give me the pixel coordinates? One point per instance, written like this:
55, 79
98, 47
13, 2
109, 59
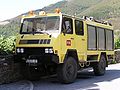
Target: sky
13, 8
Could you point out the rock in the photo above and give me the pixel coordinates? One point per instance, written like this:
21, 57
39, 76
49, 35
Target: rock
9, 71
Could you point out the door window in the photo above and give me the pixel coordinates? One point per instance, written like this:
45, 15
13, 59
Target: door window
79, 27
67, 25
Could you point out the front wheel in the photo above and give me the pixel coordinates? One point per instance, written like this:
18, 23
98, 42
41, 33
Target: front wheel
67, 71
100, 67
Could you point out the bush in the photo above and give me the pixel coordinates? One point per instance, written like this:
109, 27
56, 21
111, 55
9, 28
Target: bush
117, 43
7, 45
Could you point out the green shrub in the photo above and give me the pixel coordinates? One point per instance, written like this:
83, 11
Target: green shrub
117, 43
7, 45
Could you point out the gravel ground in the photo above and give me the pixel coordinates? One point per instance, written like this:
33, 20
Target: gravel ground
85, 81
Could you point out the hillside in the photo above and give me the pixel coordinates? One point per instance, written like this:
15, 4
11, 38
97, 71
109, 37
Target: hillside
10, 27
106, 9
100, 9
72, 6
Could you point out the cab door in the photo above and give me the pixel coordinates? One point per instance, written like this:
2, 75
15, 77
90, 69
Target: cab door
80, 40
67, 37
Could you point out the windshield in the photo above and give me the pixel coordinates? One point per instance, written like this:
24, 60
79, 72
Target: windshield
40, 25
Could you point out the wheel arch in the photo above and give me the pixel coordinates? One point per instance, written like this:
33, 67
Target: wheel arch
72, 53
105, 55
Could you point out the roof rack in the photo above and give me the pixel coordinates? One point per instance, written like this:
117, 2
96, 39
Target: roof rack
98, 21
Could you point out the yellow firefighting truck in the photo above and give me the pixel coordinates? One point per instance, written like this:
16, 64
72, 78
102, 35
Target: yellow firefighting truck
56, 43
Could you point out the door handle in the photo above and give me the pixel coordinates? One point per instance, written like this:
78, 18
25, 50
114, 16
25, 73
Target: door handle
83, 39
72, 38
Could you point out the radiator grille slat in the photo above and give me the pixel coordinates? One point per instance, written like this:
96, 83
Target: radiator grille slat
40, 41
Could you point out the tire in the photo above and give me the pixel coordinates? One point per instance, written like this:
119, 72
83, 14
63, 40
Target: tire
100, 67
67, 72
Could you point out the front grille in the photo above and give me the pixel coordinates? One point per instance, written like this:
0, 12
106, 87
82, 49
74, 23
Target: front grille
32, 41
39, 41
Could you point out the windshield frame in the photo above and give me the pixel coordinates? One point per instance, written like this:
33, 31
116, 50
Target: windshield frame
32, 32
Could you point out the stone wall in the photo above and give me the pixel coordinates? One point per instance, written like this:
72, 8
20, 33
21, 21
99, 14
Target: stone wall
117, 56
9, 72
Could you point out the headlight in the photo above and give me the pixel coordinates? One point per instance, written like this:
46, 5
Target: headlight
18, 50
48, 50
22, 50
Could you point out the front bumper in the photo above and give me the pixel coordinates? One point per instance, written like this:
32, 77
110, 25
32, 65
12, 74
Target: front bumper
36, 54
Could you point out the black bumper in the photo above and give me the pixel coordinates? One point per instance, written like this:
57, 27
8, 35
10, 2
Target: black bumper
44, 59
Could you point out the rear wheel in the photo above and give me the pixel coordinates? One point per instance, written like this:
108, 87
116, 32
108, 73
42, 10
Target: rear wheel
67, 72
100, 67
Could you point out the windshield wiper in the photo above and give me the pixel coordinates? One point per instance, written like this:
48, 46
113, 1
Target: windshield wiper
43, 32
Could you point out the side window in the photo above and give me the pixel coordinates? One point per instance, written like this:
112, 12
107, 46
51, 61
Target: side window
67, 25
92, 43
109, 40
28, 25
101, 38
79, 27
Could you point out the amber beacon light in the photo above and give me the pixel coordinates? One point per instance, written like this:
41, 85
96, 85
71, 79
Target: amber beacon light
31, 13
57, 10
42, 13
